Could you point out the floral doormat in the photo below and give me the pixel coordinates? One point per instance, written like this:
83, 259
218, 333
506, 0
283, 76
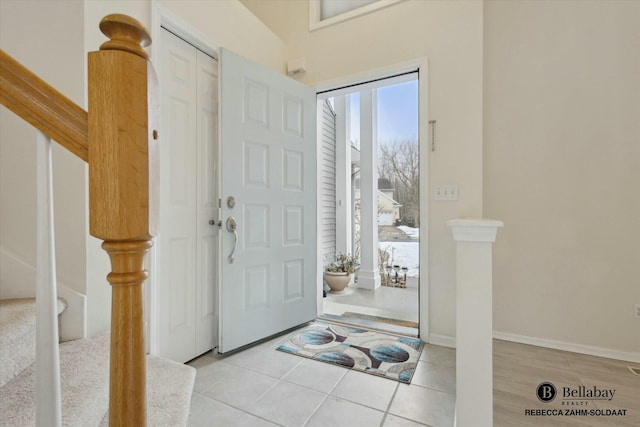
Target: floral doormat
372, 352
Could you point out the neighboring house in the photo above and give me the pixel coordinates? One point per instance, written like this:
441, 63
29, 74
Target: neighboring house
388, 208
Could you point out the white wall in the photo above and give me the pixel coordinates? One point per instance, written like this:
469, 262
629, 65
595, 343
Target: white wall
450, 35
230, 25
46, 37
562, 169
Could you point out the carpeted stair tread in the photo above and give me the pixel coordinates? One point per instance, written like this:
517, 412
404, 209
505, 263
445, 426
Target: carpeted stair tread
18, 335
169, 388
84, 378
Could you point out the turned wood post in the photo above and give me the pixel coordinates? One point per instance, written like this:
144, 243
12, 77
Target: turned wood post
123, 199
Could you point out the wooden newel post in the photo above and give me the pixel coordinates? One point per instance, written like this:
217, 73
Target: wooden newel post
123, 197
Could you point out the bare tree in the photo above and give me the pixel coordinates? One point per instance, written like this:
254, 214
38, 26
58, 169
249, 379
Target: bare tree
399, 162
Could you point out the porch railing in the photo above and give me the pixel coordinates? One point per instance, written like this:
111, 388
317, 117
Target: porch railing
117, 139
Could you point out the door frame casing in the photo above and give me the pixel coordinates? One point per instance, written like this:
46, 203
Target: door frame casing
161, 18
422, 65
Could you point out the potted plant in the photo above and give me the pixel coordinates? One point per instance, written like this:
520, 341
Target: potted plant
338, 274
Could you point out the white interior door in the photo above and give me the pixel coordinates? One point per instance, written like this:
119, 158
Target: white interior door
268, 158
207, 204
187, 308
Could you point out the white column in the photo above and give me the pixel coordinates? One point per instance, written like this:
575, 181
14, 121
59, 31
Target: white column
474, 345
369, 275
344, 214
48, 406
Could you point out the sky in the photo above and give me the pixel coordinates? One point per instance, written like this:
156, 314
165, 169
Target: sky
397, 112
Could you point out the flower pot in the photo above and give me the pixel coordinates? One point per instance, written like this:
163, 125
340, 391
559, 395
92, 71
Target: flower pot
337, 281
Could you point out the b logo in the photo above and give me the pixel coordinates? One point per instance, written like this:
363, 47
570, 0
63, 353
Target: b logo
546, 392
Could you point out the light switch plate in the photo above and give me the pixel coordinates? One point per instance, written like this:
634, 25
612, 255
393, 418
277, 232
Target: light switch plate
447, 192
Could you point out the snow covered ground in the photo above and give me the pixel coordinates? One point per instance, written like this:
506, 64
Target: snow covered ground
404, 254
414, 233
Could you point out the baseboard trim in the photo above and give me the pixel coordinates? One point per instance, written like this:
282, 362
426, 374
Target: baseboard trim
19, 281
629, 356
72, 324
442, 340
17, 278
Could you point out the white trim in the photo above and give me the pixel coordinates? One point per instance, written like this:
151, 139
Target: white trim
319, 273
389, 80
424, 138
629, 356
73, 325
344, 204
164, 18
389, 72
315, 22
441, 340
18, 280
609, 353
474, 230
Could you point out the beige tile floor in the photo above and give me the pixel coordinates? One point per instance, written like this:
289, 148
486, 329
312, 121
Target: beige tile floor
264, 387
261, 386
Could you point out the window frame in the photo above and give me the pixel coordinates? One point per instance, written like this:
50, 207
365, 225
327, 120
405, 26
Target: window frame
316, 23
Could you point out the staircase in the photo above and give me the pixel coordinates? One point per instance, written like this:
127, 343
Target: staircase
117, 136
84, 376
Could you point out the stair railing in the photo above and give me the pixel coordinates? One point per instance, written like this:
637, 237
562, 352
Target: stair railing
117, 139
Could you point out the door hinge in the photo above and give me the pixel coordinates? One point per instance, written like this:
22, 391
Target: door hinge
219, 203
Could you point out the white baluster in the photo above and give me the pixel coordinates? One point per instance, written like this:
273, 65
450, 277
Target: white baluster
48, 406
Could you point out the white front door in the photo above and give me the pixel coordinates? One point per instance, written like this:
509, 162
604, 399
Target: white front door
268, 177
187, 244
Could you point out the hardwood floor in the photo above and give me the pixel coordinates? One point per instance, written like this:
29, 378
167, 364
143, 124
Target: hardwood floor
519, 369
